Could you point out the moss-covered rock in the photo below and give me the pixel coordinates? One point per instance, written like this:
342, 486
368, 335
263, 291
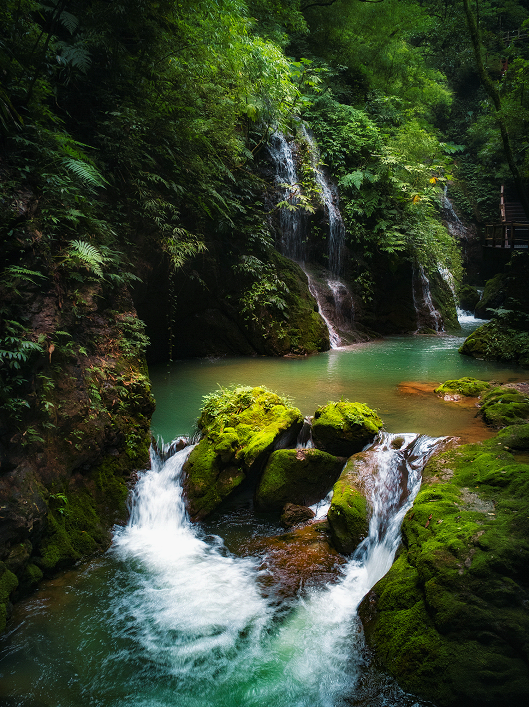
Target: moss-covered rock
493, 296
468, 298
450, 620
468, 387
496, 341
344, 428
302, 476
349, 513
504, 406
515, 436
8, 583
241, 427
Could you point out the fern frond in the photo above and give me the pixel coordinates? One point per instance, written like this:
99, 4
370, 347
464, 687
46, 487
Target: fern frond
88, 254
69, 21
85, 172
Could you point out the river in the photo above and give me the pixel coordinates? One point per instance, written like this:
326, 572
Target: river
169, 617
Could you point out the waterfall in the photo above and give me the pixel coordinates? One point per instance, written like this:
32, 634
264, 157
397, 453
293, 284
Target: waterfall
453, 223
193, 626
329, 195
293, 221
432, 319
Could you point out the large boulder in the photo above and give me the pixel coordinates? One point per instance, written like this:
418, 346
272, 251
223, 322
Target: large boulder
241, 426
299, 476
498, 341
349, 513
505, 405
450, 619
344, 428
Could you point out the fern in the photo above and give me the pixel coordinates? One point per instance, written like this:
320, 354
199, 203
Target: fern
86, 172
69, 21
181, 246
88, 254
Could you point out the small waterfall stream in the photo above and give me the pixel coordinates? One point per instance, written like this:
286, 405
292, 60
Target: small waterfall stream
196, 612
329, 195
427, 314
293, 223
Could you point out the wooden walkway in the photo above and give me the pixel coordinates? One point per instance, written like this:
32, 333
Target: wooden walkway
512, 231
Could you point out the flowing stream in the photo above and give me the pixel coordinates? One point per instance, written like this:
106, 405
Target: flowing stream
170, 617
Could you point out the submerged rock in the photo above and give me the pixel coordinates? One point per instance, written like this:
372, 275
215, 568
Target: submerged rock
294, 515
241, 427
299, 476
450, 619
344, 428
297, 560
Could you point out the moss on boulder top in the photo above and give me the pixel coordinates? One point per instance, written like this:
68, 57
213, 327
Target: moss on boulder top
344, 428
468, 387
241, 427
299, 476
450, 620
504, 406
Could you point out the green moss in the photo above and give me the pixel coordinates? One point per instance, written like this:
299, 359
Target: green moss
242, 426
504, 406
515, 436
302, 477
8, 583
348, 515
344, 428
495, 341
468, 297
469, 387
461, 582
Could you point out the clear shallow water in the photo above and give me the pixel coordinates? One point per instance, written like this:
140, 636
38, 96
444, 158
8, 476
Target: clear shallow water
169, 618
368, 373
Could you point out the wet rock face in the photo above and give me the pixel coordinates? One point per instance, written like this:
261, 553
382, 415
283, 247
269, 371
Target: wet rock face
65, 464
344, 428
450, 619
299, 476
241, 427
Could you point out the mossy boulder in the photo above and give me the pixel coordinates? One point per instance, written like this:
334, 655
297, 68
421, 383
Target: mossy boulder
468, 298
349, 513
515, 436
299, 476
504, 406
498, 341
344, 428
450, 620
241, 427
467, 387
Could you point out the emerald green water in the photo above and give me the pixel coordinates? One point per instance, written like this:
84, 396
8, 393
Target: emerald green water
169, 618
368, 373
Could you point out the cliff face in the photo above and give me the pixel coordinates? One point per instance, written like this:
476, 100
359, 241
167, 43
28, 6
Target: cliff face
74, 427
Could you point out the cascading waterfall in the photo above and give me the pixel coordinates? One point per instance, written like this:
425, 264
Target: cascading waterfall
453, 223
435, 321
330, 200
194, 617
294, 233
292, 221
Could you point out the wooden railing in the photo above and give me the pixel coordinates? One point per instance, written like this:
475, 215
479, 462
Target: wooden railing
507, 234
